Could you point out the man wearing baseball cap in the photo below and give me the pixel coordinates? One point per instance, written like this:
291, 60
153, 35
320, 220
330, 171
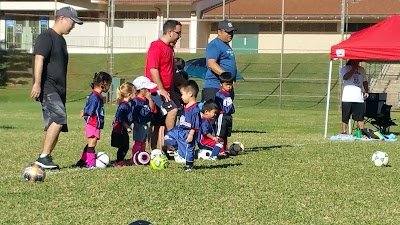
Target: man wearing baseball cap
220, 58
49, 80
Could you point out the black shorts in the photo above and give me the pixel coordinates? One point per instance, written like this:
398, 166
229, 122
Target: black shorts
162, 109
53, 109
356, 109
120, 141
209, 94
224, 125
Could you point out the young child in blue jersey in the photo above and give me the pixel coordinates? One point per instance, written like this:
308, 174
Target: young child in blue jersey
183, 137
93, 113
121, 126
207, 133
224, 100
142, 108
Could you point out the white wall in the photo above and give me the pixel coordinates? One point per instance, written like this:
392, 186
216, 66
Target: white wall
129, 36
43, 5
297, 43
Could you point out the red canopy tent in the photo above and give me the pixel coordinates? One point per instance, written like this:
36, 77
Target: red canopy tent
380, 42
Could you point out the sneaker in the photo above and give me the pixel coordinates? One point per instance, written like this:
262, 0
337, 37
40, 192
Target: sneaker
213, 158
187, 168
178, 158
80, 163
46, 162
90, 167
120, 163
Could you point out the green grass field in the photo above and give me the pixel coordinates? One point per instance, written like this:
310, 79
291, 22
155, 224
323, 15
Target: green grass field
289, 174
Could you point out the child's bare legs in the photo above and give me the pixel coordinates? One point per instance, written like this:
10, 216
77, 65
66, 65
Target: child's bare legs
153, 135
161, 134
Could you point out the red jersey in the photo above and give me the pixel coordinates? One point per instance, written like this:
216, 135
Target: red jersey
161, 56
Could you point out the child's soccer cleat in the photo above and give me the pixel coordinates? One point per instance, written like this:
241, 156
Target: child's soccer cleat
187, 168
119, 164
80, 163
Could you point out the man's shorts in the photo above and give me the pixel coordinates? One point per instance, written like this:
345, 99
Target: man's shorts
53, 109
209, 94
356, 109
162, 109
224, 125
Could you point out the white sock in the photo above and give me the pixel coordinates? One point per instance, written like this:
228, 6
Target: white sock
43, 155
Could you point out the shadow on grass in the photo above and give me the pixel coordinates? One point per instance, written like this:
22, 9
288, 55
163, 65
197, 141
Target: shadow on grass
267, 148
249, 131
7, 127
226, 165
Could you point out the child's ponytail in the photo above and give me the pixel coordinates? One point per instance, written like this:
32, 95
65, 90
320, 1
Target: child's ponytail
124, 90
99, 78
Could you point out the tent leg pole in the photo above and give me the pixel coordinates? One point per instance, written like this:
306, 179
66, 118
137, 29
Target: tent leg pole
328, 97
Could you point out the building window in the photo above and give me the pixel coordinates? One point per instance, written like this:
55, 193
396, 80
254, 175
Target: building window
311, 27
135, 15
89, 15
353, 27
270, 27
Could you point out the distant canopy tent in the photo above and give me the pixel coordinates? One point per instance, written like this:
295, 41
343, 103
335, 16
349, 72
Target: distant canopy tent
377, 43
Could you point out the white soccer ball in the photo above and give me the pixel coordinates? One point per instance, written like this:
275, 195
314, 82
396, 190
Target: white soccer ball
380, 158
155, 152
102, 160
204, 154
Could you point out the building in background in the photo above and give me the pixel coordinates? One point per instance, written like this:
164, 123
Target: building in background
311, 25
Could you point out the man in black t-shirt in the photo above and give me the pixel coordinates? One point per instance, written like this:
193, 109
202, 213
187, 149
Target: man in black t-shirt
49, 80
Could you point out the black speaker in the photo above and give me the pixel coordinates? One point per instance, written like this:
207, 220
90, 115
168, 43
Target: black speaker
374, 104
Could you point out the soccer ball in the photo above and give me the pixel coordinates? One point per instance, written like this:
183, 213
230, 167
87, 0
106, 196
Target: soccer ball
141, 158
380, 158
204, 154
34, 173
159, 162
102, 160
155, 152
236, 148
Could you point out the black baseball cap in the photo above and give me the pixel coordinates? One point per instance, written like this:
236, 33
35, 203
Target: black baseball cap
70, 13
226, 25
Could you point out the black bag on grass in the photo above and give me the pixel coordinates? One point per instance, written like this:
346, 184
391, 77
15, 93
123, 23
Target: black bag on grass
369, 133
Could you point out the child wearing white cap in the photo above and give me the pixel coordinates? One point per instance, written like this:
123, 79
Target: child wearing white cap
142, 108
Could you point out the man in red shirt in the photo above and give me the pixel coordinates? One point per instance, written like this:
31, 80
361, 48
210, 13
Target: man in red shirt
160, 70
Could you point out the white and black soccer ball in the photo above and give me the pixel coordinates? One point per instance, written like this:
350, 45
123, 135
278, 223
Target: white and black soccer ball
236, 148
155, 152
102, 160
34, 173
204, 154
380, 158
141, 158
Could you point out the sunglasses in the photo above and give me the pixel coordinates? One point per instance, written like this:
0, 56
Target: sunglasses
230, 32
178, 33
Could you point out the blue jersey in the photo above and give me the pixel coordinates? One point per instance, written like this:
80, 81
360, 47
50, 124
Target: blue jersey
94, 110
224, 102
206, 127
122, 115
141, 112
190, 118
223, 54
